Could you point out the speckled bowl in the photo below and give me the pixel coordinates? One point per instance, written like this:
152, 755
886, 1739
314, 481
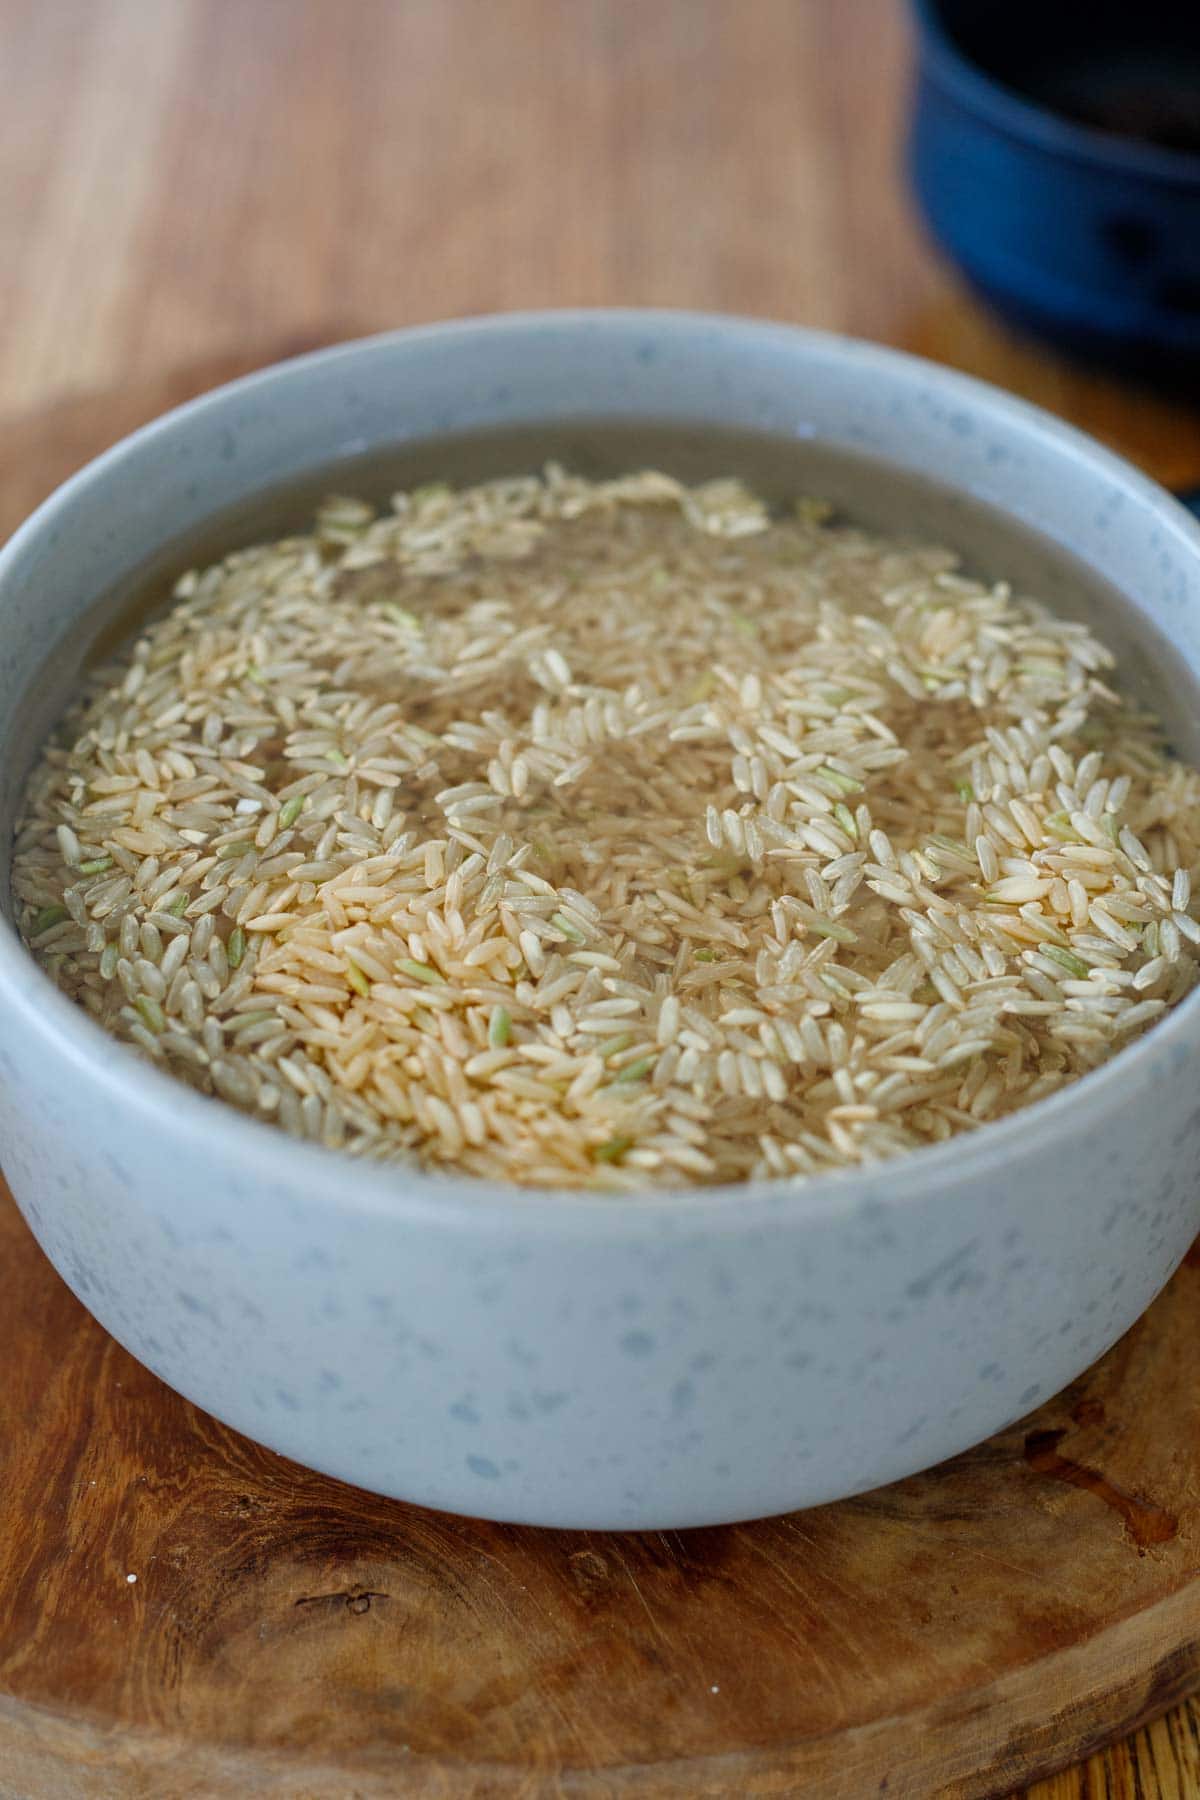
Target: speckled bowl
575, 1360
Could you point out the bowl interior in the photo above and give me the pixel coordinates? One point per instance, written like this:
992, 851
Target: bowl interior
895, 444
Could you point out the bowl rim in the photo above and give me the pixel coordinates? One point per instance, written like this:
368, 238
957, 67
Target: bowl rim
1015, 113
44, 1015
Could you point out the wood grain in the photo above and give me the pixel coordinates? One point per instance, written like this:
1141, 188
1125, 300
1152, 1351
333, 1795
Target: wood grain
206, 178
194, 187
951, 1635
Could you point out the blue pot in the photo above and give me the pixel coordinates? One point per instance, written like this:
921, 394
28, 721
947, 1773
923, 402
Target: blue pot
1085, 236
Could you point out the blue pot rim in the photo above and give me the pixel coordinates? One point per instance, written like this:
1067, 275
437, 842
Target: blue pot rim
1011, 112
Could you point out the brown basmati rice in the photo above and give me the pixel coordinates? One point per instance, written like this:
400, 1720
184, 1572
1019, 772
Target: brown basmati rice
611, 834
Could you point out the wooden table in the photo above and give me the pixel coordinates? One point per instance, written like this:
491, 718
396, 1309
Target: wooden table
190, 185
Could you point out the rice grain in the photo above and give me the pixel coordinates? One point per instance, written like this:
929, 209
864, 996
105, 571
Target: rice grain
611, 834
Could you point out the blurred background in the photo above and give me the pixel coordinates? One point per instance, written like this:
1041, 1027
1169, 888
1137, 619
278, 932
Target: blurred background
191, 187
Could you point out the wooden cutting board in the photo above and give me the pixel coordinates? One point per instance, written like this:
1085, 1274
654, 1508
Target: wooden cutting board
185, 1614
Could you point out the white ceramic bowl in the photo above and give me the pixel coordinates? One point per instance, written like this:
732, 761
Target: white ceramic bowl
575, 1360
